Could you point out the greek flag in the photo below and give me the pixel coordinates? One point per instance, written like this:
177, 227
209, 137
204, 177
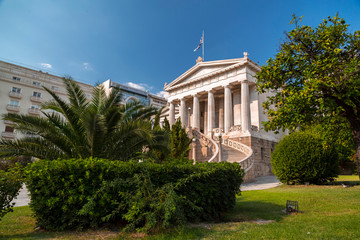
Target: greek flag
201, 42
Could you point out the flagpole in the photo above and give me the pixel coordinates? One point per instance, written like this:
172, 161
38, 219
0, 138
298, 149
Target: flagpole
203, 46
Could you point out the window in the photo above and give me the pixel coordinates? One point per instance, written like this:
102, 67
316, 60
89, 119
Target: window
16, 78
54, 88
36, 84
9, 129
16, 90
37, 94
14, 103
35, 106
262, 153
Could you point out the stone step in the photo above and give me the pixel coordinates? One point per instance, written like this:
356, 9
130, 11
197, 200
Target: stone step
231, 155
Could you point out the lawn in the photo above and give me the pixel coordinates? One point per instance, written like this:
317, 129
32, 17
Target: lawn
328, 212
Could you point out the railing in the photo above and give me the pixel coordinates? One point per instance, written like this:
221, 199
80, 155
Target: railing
34, 111
248, 161
36, 99
15, 95
13, 108
8, 135
208, 142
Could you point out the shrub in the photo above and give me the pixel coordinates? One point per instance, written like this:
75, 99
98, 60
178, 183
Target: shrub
302, 157
10, 184
81, 193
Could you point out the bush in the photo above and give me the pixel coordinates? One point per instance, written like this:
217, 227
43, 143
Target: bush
10, 184
81, 193
302, 157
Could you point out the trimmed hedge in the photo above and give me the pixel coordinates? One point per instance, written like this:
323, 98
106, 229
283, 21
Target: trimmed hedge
303, 157
81, 193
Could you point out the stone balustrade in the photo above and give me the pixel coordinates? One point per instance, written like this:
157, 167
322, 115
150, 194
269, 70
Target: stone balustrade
248, 161
208, 143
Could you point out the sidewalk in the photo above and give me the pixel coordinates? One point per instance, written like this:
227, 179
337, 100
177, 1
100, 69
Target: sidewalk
261, 183
22, 199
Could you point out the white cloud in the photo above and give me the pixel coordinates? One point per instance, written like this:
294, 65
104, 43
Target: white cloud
140, 86
46, 65
87, 66
163, 94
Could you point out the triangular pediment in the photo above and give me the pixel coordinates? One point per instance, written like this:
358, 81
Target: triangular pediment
203, 69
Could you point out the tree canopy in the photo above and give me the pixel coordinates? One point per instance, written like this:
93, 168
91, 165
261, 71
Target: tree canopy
314, 76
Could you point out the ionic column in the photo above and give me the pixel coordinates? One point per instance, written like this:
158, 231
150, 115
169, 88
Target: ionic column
237, 107
171, 114
227, 108
221, 113
183, 112
211, 112
196, 113
245, 106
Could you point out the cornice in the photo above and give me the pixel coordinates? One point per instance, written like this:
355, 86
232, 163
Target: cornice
237, 63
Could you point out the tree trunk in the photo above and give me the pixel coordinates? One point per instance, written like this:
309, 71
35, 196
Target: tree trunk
356, 136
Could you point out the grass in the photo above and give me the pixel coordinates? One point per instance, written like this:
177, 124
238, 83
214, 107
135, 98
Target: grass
328, 212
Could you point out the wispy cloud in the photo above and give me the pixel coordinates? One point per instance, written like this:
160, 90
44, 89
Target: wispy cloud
163, 94
46, 65
140, 86
87, 66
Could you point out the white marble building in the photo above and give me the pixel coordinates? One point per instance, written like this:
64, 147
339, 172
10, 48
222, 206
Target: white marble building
220, 97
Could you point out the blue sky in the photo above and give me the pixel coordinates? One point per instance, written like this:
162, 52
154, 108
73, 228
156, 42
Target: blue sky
145, 43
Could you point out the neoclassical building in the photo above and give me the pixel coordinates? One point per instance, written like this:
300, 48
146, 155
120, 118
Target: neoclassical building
218, 103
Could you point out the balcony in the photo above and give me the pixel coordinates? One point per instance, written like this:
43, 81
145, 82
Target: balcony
36, 99
9, 123
34, 111
13, 108
8, 135
15, 95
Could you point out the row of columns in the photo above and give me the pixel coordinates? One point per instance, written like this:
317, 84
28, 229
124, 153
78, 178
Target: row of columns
225, 114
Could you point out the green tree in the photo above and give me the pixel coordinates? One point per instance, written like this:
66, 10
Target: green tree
315, 75
80, 128
179, 141
166, 124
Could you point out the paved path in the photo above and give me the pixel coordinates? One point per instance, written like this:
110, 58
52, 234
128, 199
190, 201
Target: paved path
23, 198
261, 183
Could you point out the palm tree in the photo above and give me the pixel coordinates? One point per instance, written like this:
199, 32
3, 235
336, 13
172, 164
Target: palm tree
81, 128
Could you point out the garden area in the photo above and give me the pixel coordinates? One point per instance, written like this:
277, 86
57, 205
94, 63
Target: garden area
100, 169
327, 212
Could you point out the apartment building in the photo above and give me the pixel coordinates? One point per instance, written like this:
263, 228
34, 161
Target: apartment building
132, 94
21, 91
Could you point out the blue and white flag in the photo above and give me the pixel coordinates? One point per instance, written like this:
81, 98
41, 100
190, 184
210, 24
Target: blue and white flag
201, 42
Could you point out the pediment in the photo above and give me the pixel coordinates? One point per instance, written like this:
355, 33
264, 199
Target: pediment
203, 69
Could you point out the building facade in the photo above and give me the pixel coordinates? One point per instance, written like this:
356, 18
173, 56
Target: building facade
21, 91
133, 94
217, 101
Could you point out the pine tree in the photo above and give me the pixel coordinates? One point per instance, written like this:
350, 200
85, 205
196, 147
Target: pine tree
179, 141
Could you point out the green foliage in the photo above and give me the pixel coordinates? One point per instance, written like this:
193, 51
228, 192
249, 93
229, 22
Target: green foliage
316, 75
336, 132
303, 157
166, 124
10, 184
179, 141
79, 193
80, 128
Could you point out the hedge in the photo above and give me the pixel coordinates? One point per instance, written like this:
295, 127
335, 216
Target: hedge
303, 157
82, 193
